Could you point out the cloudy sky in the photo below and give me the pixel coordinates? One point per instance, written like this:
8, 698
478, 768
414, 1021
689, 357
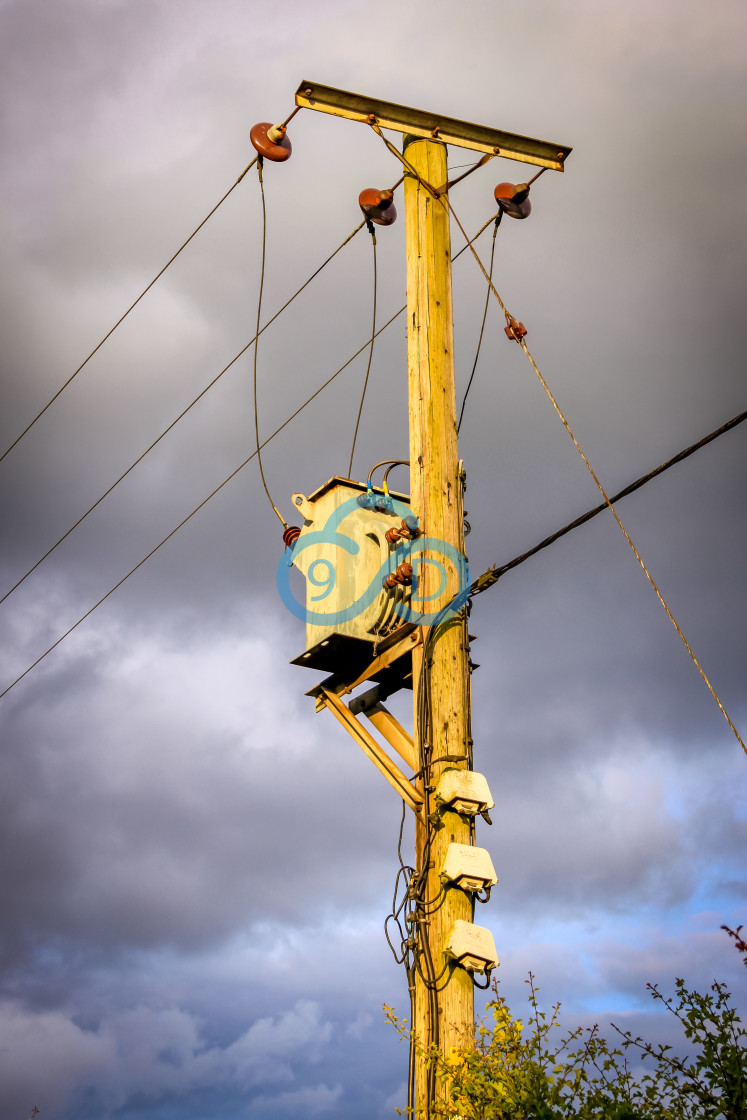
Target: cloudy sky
194, 866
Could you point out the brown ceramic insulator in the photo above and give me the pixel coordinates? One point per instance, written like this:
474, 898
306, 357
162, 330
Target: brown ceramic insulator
378, 206
404, 533
404, 573
515, 330
513, 200
275, 150
291, 535
402, 577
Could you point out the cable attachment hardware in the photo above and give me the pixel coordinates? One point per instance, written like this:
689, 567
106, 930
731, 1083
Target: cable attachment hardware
515, 330
408, 531
513, 199
402, 577
291, 535
378, 206
271, 141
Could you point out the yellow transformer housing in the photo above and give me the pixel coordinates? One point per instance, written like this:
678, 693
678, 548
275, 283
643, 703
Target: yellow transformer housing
345, 556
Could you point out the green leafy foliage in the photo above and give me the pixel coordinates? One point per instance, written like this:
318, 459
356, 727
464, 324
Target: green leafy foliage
532, 1070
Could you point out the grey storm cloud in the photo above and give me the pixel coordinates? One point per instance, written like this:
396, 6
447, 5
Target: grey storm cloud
194, 867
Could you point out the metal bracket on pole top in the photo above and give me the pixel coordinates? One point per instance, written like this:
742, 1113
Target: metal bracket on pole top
431, 126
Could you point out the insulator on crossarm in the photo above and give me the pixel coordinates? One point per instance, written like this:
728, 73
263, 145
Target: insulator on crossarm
378, 206
271, 141
513, 200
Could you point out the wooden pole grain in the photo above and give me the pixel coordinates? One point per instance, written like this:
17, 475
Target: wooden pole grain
436, 498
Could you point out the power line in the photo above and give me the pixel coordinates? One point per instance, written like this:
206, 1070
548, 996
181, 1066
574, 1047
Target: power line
182, 414
241, 465
127, 312
209, 386
198, 507
492, 575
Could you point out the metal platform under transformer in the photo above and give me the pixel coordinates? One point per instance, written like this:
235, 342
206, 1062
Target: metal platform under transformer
351, 661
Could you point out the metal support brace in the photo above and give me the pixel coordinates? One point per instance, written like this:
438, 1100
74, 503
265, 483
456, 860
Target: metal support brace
370, 747
394, 733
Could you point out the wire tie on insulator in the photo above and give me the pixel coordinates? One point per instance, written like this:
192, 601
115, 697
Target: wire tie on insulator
260, 161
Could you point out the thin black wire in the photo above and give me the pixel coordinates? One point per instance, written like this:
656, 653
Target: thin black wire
370, 353
127, 312
256, 345
234, 472
484, 318
184, 412
492, 575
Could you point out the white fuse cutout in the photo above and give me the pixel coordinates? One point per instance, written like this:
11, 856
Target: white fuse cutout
472, 947
468, 867
464, 791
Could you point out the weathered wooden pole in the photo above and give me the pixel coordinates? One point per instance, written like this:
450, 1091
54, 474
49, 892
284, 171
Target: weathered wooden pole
444, 1016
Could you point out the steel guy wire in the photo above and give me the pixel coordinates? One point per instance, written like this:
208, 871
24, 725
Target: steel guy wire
127, 312
234, 472
607, 502
484, 319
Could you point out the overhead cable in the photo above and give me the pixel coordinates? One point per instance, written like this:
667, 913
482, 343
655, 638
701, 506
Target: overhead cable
484, 318
492, 575
214, 381
198, 507
184, 412
127, 312
234, 472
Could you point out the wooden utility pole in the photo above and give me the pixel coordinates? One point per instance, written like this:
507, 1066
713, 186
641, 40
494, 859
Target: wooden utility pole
443, 1016
444, 1001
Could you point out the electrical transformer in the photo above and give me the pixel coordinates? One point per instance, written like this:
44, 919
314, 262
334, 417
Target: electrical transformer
353, 551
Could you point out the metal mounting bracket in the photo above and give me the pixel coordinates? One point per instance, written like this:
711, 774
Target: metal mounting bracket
430, 126
370, 747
